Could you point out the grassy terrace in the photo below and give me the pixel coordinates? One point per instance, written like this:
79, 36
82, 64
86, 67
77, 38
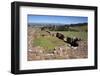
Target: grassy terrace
48, 43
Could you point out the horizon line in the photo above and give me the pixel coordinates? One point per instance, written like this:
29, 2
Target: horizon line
58, 23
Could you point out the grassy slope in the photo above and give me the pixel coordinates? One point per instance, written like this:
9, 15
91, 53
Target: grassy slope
48, 43
80, 28
82, 35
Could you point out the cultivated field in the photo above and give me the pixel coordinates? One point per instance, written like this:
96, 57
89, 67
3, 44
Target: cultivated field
45, 46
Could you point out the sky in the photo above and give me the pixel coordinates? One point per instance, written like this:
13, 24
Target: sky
56, 19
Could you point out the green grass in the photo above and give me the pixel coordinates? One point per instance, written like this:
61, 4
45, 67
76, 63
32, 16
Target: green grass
82, 35
48, 43
80, 28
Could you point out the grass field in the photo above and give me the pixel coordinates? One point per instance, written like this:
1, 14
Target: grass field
83, 35
48, 43
80, 28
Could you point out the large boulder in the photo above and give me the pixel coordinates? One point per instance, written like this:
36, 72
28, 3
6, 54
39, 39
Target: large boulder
60, 36
73, 41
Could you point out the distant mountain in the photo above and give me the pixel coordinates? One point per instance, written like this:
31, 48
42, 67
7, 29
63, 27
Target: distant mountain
55, 24
82, 24
45, 24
